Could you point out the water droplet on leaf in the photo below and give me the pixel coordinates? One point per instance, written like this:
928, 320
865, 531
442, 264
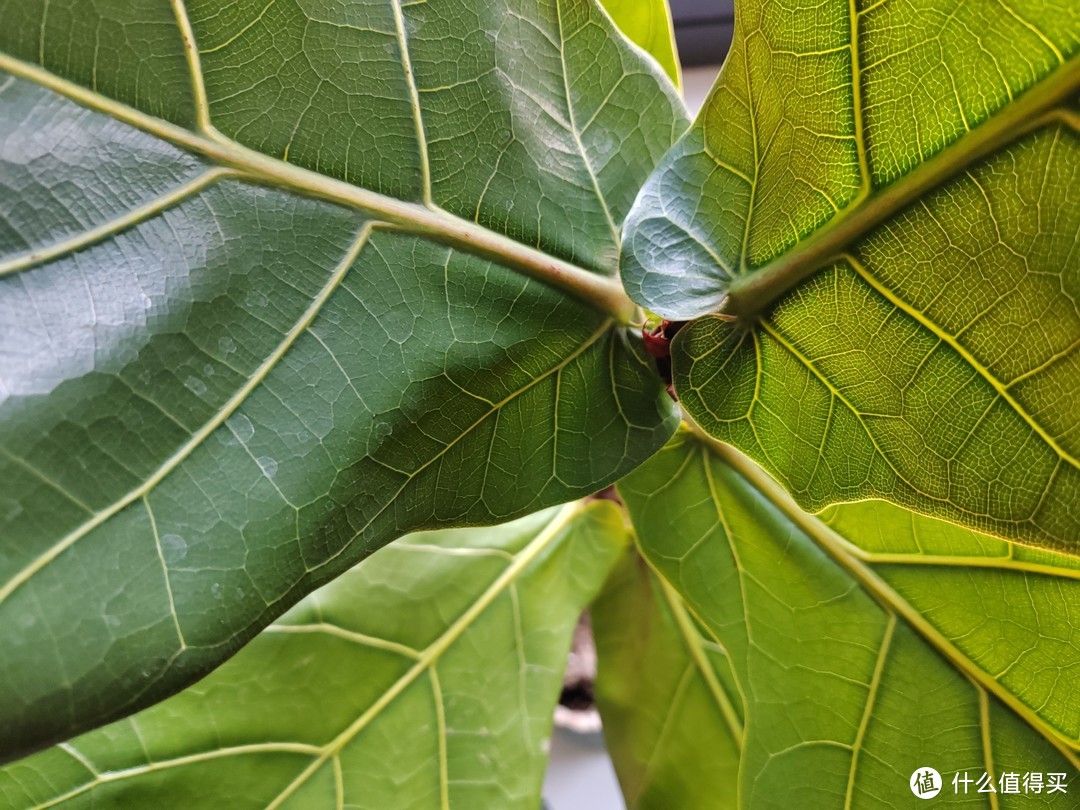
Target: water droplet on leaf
268, 466
173, 548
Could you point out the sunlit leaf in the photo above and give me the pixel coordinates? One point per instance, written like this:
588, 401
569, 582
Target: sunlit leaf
866, 644
886, 198
648, 23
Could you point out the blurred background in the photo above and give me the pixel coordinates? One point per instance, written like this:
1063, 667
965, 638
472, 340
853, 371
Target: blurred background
580, 774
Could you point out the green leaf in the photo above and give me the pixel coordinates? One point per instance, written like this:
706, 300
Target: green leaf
886, 201
425, 677
280, 283
648, 24
866, 643
671, 709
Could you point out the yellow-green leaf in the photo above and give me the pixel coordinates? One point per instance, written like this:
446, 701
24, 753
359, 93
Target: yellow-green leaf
426, 677
648, 24
867, 642
673, 716
886, 200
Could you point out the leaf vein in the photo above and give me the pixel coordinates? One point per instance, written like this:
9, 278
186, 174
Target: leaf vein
199, 436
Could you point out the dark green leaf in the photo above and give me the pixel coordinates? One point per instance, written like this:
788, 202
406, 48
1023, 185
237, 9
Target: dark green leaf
280, 282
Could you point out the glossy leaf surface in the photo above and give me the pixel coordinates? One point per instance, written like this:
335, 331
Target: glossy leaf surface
886, 197
866, 643
279, 283
426, 677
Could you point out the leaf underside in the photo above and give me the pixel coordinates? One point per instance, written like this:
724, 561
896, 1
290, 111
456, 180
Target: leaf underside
424, 677
672, 713
887, 197
273, 291
864, 643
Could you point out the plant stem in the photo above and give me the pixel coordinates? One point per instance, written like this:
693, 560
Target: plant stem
602, 292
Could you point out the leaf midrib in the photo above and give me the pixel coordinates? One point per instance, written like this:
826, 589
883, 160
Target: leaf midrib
837, 548
695, 646
604, 293
749, 294
424, 660
197, 438
434, 651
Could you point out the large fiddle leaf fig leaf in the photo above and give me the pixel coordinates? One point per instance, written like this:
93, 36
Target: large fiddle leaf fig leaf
866, 642
425, 677
670, 704
281, 282
881, 201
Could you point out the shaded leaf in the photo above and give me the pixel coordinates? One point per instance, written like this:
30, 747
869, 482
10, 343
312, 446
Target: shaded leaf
425, 677
868, 644
280, 283
886, 198
671, 709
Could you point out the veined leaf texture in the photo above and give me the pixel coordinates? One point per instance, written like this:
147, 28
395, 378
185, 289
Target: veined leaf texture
425, 677
826, 658
885, 196
281, 282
